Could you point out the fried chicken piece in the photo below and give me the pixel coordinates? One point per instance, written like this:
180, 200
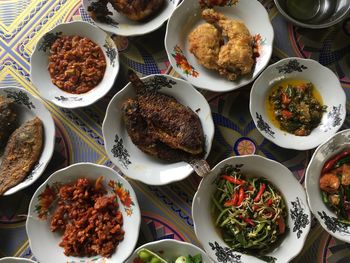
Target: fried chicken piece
7, 119
21, 153
171, 122
236, 56
204, 44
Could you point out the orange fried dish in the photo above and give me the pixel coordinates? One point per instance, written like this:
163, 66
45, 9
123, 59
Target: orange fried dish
223, 44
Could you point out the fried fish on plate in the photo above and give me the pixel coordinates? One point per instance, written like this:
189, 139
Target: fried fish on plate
7, 119
21, 153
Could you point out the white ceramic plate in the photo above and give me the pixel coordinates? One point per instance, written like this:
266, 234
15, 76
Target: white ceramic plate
187, 17
44, 243
27, 108
171, 249
39, 65
327, 218
132, 161
16, 260
299, 217
326, 83
126, 27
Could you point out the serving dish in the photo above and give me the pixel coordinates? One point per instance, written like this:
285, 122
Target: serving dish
127, 157
39, 65
170, 249
327, 218
187, 16
121, 25
27, 107
44, 243
314, 14
298, 218
15, 260
325, 82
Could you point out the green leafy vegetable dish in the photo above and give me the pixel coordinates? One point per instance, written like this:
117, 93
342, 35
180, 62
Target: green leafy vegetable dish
148, 256
249, 212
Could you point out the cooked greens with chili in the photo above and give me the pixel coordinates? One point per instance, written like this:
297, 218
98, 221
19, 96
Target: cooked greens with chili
295, 107
249, 212
335, 185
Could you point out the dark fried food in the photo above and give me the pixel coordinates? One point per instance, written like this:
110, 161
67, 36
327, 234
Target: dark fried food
7, 119
21, 153
212, 3
136, 10
235, 57
171, 122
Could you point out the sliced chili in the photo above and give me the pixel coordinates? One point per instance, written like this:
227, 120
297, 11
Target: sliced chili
241, 196
330, 163
259, 194
233, 180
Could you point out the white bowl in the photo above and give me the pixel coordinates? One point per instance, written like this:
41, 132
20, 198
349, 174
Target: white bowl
326, 83
16, 260
27, 108
44, 243
171, 249
299, 217
187, 17
39, 66
132, 161
126, 27
327, 218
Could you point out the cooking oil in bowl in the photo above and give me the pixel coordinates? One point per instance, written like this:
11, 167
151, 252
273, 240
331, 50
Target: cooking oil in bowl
311, 10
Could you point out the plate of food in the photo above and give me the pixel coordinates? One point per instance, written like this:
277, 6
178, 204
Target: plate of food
168, 250
297, 103
74, 64
129, 18
156, 127
251, 209
328, 185
83, 213
219, 48
27, 139
15, 260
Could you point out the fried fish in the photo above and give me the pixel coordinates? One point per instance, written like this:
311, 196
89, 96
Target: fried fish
21, 153
7, 119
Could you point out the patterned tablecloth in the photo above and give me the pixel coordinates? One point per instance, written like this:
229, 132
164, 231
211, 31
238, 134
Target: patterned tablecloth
166, 210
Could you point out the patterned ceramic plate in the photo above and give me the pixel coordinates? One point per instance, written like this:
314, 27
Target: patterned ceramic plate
121, 25
39, 65
188, 16
28, 107
15, 260
132, 161
44, 243
326, 83
170, 249
298, 221
327, 218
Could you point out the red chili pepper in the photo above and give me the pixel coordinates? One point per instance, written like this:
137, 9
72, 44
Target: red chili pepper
255, 207
261, 191
269, 202
249, 221
233, 201
233, 180
286, 114
241, 196
250, 188
281, 225
285, 99
330, 163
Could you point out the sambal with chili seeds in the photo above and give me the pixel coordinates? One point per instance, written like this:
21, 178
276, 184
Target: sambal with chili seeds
296, 106
76, 64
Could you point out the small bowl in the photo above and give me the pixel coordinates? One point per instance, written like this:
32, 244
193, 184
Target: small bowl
320, 14
170, 249
16, 260
131, 160
39, 65
327, 218
44, 243
299, 216
187, 16
326, 83
122, 26
28, 107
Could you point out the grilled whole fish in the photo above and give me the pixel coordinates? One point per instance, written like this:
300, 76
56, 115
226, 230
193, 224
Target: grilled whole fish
145, 138
21, 153
167, 120
7, 119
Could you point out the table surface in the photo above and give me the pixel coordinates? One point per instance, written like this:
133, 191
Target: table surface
166, 210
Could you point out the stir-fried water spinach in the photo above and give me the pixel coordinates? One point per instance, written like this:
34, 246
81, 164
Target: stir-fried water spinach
296, 108
250, 212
